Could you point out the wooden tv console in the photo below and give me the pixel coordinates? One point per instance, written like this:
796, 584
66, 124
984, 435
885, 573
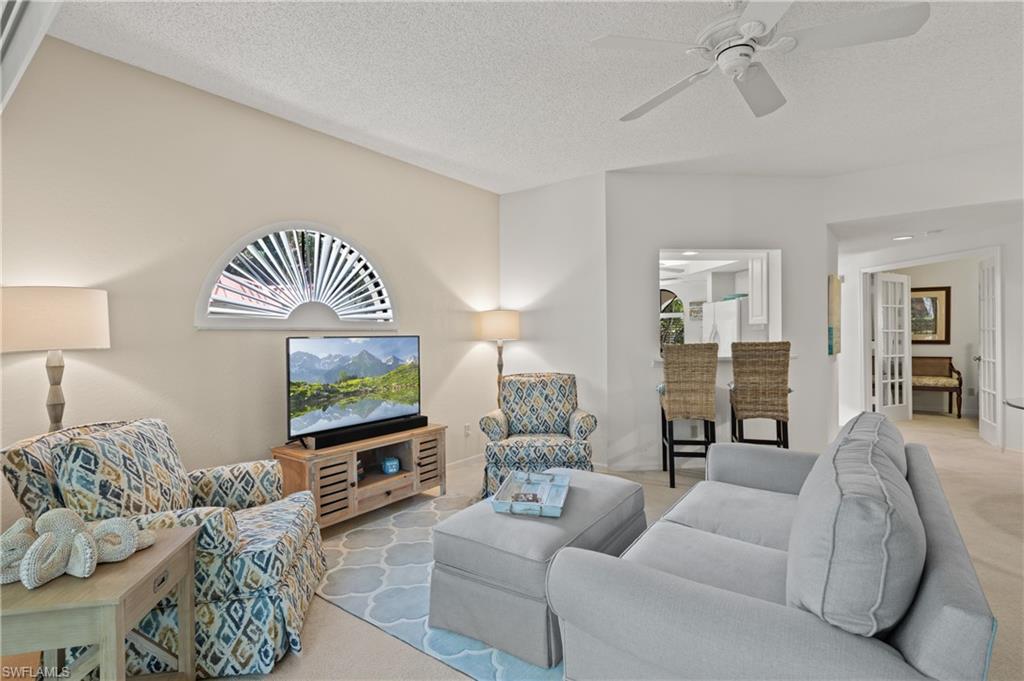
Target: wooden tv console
330, 472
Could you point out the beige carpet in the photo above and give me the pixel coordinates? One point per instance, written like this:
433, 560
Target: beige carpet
984, 486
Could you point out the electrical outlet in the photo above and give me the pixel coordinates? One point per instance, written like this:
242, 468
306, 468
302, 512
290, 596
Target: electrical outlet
465, 430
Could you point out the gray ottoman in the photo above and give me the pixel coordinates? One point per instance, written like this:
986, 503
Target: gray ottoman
490, 568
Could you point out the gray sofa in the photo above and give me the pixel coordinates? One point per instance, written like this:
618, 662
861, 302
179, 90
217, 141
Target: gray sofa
786, 565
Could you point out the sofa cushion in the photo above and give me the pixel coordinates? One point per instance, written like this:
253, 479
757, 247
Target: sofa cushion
874, 427
28, 467
513, 552
712, 559
538, 403
751, 515
269, 537
125, 471
858, 545
555, 451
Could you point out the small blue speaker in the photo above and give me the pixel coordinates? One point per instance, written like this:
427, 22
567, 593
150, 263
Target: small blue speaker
390, 465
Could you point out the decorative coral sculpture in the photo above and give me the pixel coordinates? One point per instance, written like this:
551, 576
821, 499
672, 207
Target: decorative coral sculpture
66, 545
14, 544
118, 538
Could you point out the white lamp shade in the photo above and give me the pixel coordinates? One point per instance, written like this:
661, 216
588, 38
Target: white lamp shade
499, 325
53, 318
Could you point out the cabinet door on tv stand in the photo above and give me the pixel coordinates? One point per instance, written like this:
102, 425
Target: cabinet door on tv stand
335, 489
429, 455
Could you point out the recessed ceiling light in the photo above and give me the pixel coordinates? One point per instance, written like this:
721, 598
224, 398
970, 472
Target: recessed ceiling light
903, 237
691, 252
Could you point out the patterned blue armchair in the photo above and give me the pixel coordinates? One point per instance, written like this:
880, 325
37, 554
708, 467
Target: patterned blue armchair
258, 555
538, 426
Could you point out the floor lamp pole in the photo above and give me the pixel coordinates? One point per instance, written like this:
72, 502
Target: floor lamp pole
501, 368
55, 396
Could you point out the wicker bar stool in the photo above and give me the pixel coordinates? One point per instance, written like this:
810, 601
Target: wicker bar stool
760, 389
689, 393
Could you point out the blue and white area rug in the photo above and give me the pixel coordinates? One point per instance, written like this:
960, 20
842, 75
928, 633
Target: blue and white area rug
380, 572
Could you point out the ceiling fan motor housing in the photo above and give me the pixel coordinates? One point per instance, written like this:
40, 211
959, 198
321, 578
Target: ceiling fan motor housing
734, 60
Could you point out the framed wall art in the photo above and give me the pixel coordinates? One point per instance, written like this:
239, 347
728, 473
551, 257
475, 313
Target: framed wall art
929, 315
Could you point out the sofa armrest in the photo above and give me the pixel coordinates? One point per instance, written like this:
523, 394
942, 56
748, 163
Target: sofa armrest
237, 486
694, 631
759, 466
218, 532
495, 425
581, 424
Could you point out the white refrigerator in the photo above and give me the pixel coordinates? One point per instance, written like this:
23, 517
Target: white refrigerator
726, 322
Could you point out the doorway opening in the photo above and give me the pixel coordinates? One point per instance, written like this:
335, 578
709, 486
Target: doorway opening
932, 342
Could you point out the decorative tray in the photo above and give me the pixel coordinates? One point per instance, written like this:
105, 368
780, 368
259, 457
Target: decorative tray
523, 493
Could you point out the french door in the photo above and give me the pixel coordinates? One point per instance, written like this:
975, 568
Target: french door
990, 389
893, 394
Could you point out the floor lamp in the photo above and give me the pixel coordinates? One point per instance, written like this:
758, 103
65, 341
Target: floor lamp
499, 326
53, 318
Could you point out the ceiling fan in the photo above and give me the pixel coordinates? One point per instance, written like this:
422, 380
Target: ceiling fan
749, 30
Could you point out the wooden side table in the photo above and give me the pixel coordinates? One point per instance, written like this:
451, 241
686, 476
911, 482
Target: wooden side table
101, 610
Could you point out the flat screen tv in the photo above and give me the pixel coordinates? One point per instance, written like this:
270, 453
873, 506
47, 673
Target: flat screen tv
347, 381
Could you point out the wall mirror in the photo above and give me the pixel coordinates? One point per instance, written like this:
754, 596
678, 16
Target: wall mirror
719, 296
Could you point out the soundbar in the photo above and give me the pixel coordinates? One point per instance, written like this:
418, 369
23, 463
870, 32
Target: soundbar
342, 436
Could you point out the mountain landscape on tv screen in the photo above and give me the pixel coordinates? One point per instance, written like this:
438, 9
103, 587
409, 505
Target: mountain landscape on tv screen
336, 382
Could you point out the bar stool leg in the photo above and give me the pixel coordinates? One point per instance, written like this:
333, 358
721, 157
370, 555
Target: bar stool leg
671, 455
739, 430
664, 443
732, 422
785, 434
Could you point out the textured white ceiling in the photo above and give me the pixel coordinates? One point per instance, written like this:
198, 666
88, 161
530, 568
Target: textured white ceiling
508, 96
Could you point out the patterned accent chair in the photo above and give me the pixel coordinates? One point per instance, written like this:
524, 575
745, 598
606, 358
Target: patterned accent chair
258, 555
538, 426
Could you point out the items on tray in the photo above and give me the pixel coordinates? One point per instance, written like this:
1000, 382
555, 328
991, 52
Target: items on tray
539, 494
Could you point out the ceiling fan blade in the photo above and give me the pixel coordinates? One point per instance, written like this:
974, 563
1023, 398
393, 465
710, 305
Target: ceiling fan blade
625, 42
667, 94
757, 87
889, 24
766, 13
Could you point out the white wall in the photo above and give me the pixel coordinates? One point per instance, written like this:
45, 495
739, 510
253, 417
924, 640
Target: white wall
961, 275
648, 212
120, 179
553, 270
985, 176
603, 327
1008, 238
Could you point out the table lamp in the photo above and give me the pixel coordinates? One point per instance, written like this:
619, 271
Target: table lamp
499, 326
53, 318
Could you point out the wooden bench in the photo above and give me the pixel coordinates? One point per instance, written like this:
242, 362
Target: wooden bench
938, 374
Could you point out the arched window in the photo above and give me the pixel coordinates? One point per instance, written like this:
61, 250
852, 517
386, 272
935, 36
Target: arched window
265, 281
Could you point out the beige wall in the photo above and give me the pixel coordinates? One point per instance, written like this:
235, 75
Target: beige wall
120, 179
